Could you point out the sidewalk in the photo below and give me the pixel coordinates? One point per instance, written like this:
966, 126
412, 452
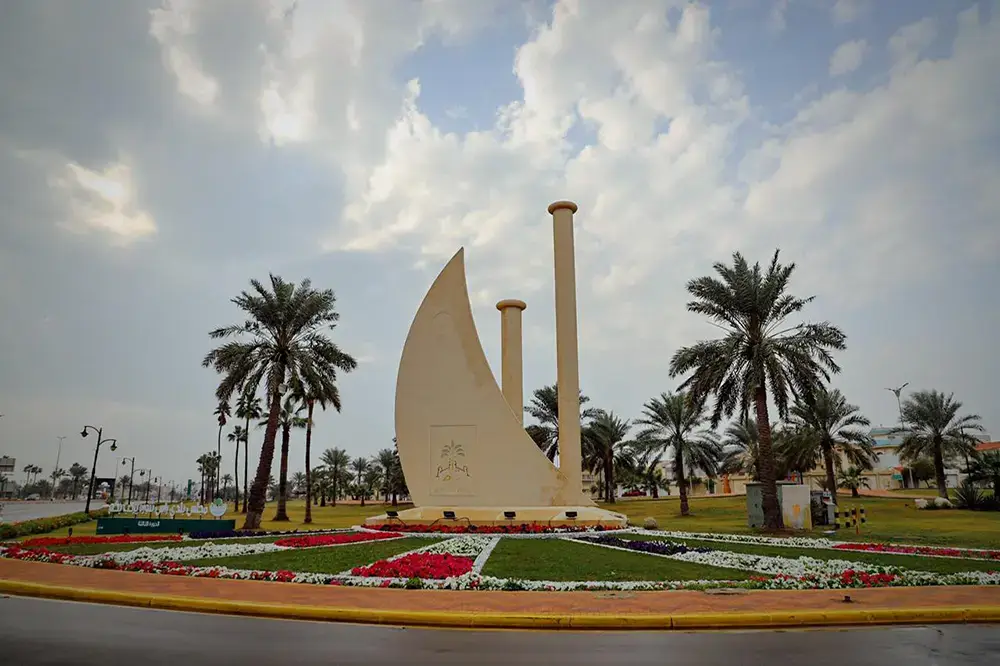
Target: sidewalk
538, 610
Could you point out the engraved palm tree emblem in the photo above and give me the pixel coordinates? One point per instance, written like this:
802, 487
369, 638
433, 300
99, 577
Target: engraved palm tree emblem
451, 453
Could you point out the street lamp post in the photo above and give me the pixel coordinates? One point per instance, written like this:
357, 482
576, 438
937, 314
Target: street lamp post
56, 468
130, 476
899, 402
97, 449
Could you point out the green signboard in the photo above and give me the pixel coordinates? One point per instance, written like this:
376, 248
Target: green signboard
161, 525
897, 477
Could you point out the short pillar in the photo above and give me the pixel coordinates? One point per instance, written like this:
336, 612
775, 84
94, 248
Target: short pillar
512, 361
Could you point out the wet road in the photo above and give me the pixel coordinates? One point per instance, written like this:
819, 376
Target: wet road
15, 512
35, 632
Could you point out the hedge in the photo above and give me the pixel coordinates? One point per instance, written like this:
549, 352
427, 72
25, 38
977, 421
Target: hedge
43, 525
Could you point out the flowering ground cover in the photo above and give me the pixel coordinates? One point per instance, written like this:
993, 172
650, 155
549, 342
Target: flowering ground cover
932, 551
331, 539
48, 542
434, 566
460, 528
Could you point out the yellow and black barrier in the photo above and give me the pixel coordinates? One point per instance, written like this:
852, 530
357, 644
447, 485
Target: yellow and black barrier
853, 517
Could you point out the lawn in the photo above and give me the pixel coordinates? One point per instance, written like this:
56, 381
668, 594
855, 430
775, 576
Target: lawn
889, 519
912, 562
324, 518
330, 560
561, 560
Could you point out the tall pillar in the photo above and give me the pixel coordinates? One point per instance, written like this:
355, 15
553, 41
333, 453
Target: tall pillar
567, 353
512, 362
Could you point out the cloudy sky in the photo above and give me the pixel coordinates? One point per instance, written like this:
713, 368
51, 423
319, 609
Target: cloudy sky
156, 156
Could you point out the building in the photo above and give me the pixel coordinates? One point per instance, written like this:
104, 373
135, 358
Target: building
7, 485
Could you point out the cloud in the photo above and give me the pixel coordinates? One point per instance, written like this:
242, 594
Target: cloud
848, 11
910, 41
847, 57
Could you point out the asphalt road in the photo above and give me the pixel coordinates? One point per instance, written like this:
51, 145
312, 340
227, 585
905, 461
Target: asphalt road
15, 512
35, 632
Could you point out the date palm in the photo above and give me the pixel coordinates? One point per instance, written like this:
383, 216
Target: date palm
934, 429
77, 472
336, 462
323, 394
987, 469
221, 413
282, 340
674, 422
544, 408
247, 408
760, 350
823, 424
238, 435
851, 479
360, 467
607, 439
289, 417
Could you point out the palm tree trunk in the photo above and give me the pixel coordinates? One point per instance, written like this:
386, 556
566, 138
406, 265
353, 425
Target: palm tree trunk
282, 513
681, 480
218, 454
246, 463
942, 482
258, 491
609, 479
309, 430
361, 490
236, 476
333, 489
772, 510
855, 493
831, 479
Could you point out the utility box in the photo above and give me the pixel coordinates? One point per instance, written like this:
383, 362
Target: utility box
793, 499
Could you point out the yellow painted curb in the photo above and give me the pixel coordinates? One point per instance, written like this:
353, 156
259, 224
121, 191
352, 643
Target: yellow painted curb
490, 620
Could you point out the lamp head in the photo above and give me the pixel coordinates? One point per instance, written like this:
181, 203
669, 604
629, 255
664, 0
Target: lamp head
83, 433
114, 446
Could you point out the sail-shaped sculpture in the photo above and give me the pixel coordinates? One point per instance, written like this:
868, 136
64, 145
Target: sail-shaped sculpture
464, 452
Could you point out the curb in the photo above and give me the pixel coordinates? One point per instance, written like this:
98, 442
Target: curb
492, 620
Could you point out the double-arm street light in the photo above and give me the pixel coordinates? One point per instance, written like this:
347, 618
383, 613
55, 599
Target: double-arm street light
899, 402
97, 449
130, 476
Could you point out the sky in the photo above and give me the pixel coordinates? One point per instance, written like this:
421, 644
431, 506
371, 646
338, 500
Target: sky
154, 157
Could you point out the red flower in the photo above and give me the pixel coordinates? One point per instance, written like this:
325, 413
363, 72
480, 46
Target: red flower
330, 539
417, 565
119, 538
920, 550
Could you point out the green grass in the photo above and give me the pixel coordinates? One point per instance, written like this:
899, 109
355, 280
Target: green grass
561, 560
317, 560
889, 519
913, 562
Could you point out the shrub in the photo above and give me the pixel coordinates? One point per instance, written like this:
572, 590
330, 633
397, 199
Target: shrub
413, 583
968, 496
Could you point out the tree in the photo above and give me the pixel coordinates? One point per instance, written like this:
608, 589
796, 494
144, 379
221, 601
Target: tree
388, 460
373, 478
336, 461
77, 472
288, 418
936, 430
65, 487
247, 408
237, 435
823, 423
360, 466
222, 413
123, 481
226, 480
323, 394
646, 471
286, 342
921, 469
606, 438
298, 483
675, 422
56, 475
986, 469
760, 350
851, 478
544, 408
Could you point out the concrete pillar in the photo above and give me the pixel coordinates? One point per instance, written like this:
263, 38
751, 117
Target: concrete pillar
567, 353
512, 362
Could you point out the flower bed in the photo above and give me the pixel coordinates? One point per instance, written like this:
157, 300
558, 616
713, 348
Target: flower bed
236, 534
654, 547
966, 553
523, 528
332, 539
433, 566
119, 538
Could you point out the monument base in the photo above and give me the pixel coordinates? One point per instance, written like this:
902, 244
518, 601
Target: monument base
552, 516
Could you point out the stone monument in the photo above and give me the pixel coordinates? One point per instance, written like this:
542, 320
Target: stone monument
461, 440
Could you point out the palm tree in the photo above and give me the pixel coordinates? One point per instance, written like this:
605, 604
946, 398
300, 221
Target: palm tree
740, 453
123, 484
544, 408
222, 412
360, 466
760, 350
77, 472
935, 430
324, 394
286, 343
237, 435
288, 418
851, 478
646, 470
606, 440
65, 487
823, 423
387, 460
336, 461
987, 469
226, 480
247, 408
674, 421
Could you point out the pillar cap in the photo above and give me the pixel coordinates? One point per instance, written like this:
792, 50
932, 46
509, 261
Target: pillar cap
511, 303
569, 205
